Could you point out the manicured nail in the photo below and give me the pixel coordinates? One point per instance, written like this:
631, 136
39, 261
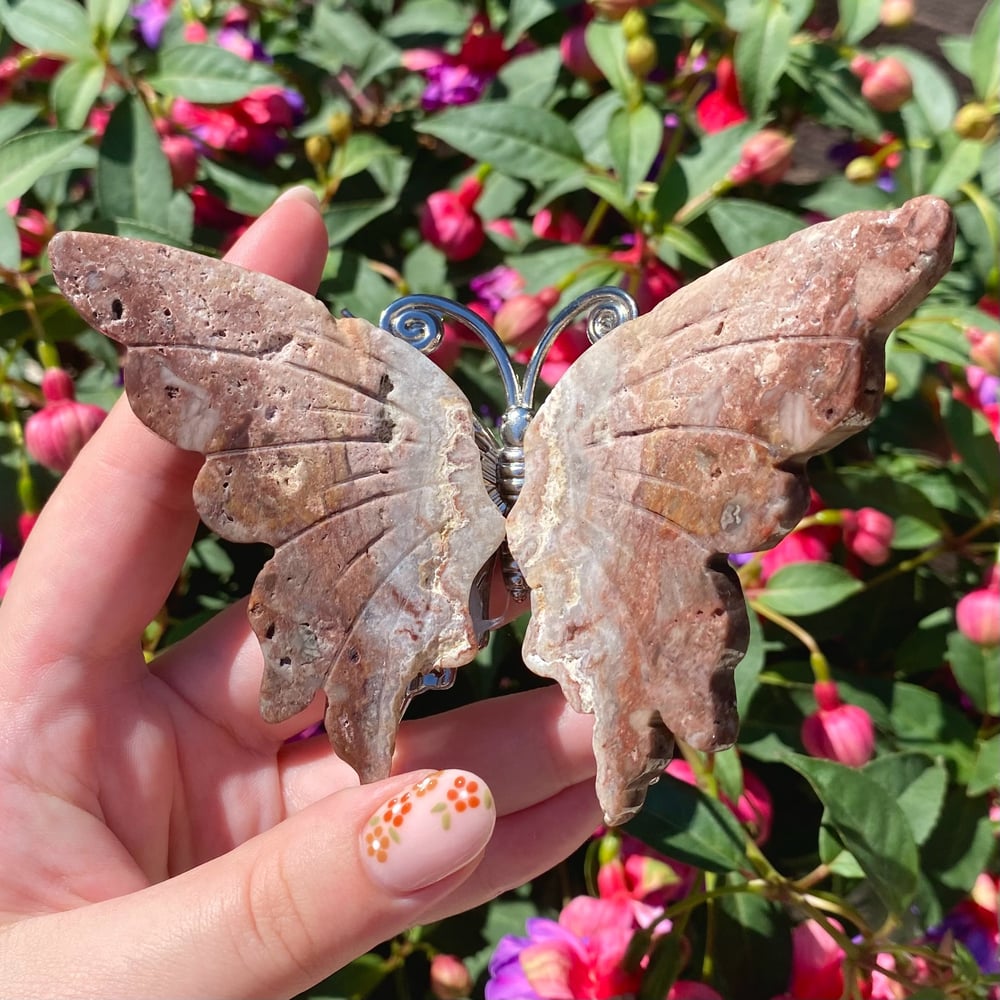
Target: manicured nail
428, 831
299, 193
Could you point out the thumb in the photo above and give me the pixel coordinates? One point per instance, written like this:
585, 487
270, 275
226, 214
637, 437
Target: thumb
279, 913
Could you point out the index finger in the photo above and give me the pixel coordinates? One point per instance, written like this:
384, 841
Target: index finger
125, 505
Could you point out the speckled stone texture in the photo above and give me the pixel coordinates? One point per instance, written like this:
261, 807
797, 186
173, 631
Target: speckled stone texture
680, 437
344, 448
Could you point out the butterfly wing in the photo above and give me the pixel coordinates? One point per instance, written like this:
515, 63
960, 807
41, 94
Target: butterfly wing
680, 437
347, 450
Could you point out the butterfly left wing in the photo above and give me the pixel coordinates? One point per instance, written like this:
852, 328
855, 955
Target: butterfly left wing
341, 446
683, 436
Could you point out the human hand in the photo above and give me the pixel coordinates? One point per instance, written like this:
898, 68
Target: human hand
160, 839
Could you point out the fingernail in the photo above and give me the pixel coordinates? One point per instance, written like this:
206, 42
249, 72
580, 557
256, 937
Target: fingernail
428, 831
299, 193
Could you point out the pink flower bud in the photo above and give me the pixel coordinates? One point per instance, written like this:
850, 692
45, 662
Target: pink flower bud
978, 616
984, 349
6, 572
34, 230
56, 434
896, 13
503, 228
450, 223
817, 962
57, 386
844, 733
559, 226
868, 534
450, 979
523, 318
576, 56
195, 32
885, 84
182, 155
765, 158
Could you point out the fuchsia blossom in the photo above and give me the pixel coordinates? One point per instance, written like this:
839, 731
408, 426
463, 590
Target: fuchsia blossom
765, 158
868, 534
558, 226
450, 979
34, 228
151, 17
817, 964
977, 615
523, 318
450, 222
56, 434
839, 732
885, 83
722, 107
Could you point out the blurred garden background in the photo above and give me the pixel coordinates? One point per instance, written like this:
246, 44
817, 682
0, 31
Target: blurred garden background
511, 156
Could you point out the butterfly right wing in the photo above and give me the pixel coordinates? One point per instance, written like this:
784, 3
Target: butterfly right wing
344, 448
680, 437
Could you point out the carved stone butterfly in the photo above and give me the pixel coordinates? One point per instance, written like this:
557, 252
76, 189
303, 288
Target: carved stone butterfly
677, 438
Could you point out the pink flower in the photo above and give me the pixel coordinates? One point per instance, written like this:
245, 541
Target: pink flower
566, 348
25, 524
450, 979
450, 223
522, 319
559, 226
817, 963
886, 84
688, 989
754, 808
839, 732
977, 615
6, 572
576, 56
56, 434
496, 286
811, 544
182, 155
868, 534
34, 228
722, 107
579, 958
765, 158
647, 278
984, 349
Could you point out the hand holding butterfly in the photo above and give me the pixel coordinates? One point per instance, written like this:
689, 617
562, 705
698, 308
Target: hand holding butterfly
158, 838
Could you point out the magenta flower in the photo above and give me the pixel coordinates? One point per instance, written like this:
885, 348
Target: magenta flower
977, 615
56, 434
839, 732
151, 17
580, 957
450, 222
868, 534
496, 286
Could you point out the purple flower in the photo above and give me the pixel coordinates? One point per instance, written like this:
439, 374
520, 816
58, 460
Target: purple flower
507, 977
151, 16
451, 85
495, 287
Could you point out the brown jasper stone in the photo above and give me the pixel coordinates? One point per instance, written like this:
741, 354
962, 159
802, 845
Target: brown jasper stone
683, 436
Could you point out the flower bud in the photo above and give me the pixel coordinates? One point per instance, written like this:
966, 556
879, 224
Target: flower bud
765, 158
55, 435
862, 170
978, 616
896, 13
886, 84
182, 155
318, 150
576, 56
560, 226
634, 24
450, 979
839, 732
973, 121
450, 223
984, 349
817, 962
523, 318
615, 10
339, 126
6, 572
868, 534
641, 56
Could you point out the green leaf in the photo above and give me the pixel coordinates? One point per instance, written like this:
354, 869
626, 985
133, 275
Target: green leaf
10, 243
524, 14
976, 672
106, 16
743, 225
916, 784
522, 141
682, 822
57, 27
14, 117
986, 774
983, 52
635, 136
747, 675
922, 722
75, 88
959, 849
879, 838
932, 90
972, 438
808, 587
31, 155
339, 38
938, 337
961, 164
606, 45
761, 54
748, 926
859, 18
133, 175
208, 74
686, 244
530, 79
356, 979
245, 192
